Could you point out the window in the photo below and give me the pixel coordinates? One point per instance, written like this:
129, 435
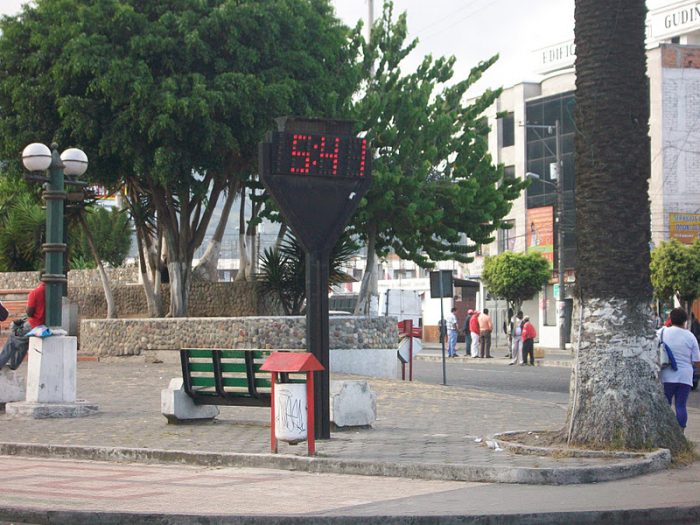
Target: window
507, 130
509, 172
506, 237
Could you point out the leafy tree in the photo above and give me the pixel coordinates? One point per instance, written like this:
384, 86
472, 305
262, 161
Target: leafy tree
168, 98
283, 273
436, 193
515, 277
616, 399
675, 271
22, 228
111, 231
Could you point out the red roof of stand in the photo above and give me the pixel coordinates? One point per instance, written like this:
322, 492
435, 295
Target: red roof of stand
291, 362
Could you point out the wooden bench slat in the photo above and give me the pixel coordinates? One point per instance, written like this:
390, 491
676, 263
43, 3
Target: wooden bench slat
233, 367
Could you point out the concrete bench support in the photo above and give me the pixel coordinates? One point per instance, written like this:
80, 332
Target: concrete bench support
353, 404
178, 407
12, 386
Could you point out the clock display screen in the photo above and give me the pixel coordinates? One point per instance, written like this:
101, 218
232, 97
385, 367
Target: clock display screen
311, 155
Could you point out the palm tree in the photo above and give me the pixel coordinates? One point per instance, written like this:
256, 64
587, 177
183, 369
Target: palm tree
616, 399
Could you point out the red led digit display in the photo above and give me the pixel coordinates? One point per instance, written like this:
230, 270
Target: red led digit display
298, 151
319, 155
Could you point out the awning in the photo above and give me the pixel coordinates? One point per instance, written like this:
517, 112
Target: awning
465, 283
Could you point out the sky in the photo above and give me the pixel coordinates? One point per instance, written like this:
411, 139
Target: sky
471, 30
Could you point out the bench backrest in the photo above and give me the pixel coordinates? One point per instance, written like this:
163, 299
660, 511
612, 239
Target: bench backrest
229, 377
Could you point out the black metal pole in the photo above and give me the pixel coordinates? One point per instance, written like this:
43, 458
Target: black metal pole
317, 340
443, 332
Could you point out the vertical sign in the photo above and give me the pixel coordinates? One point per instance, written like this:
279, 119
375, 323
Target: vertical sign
317, 171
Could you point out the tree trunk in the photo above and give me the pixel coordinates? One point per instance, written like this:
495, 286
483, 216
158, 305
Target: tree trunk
152, 299
280, 236
616, 398
369, 286
207, 268
242, 250
252, 244
179, 285
109, 297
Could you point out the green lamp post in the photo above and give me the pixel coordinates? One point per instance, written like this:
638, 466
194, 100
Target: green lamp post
39, 158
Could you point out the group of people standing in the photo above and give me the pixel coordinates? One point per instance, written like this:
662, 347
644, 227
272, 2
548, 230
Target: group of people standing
477, 329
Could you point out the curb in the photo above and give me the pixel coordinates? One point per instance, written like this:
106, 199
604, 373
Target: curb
320, 465
659, 515
561, 363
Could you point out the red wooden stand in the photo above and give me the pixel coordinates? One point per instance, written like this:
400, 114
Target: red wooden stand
293, 362
406, 330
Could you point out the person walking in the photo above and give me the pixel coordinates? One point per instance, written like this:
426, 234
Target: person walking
528, 336
467, 333
452, 331
516, 349
485, 329
474, 332
678, 383
508, 330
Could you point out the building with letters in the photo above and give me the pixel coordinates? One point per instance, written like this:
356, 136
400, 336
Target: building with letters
524, 141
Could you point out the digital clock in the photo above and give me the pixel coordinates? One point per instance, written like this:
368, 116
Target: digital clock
315, 155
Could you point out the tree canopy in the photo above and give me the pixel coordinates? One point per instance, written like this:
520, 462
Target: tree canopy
515, 277
675, 271
436, 193
168, 98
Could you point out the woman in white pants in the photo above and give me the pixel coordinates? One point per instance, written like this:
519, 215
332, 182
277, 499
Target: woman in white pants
517, 345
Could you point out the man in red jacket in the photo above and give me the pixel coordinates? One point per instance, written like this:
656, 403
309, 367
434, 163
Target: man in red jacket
528, 336
36, 306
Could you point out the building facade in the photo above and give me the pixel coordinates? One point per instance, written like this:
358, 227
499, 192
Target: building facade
523, 139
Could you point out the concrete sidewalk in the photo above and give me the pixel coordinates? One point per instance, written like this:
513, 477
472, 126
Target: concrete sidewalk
427, 432
552, 356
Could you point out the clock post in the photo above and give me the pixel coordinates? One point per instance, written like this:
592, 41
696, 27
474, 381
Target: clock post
317, 172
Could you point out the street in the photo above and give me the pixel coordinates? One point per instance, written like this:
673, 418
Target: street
537, 383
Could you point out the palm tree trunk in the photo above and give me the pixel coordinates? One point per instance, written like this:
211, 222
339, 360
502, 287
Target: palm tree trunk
616, 399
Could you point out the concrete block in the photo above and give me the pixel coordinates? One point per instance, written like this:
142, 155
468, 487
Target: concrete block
368, 362
31, 410
12, 385
51, 369
178, 407
352, 403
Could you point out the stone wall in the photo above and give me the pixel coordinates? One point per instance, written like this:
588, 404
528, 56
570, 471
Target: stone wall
15, 280
225, 299
120, 337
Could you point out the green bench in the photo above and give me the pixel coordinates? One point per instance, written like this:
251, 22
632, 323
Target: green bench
214, 376
225, 377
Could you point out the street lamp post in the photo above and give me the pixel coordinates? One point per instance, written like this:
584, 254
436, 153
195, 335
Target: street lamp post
37, 157
555, 173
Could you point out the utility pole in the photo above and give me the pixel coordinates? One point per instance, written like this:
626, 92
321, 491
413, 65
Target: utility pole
370, 18
561, 270
555, 171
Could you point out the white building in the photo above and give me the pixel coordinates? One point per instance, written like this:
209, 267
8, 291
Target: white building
524, 142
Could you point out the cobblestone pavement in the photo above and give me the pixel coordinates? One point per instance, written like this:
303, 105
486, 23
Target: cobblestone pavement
417, 423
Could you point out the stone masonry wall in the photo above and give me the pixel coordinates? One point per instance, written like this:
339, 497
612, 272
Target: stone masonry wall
28, 280
221, 299
226, 299
120, 337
